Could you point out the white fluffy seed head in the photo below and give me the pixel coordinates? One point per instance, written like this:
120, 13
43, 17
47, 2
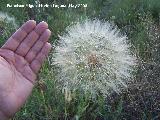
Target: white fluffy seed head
94, 57
8, 19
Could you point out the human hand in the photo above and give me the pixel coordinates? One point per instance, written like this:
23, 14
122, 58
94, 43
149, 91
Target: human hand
20, 60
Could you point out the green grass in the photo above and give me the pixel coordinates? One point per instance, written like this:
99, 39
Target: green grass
133, 17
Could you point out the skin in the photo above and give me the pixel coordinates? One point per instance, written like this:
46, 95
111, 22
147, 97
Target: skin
21, 58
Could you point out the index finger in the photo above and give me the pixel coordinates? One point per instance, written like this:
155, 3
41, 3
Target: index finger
13, 42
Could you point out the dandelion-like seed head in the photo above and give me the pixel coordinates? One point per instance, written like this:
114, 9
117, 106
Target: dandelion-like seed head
94, 57
7, 25
4, 17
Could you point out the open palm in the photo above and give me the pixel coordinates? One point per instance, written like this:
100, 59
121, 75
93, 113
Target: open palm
20, 60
